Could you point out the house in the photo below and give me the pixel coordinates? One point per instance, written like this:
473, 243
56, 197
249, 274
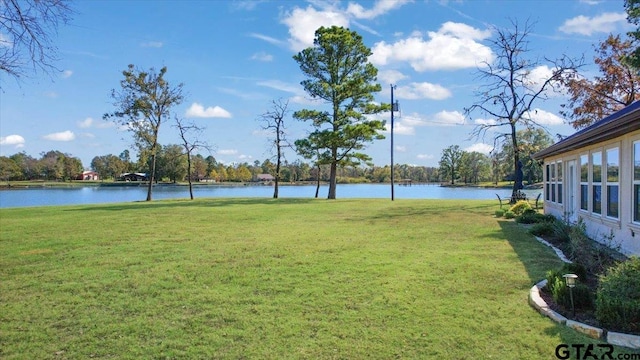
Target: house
88, 175
594, 175
265, 177
133, 177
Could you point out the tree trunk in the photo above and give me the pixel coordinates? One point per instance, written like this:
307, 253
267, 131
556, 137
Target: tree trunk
151, 176
332, 180
189, 175
516, 160
318, 182
275, 187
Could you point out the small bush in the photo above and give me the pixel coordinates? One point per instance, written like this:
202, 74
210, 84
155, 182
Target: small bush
562, 231
499, 213
509, 214
557, 286
519, 207
531, 216
618, 297
543, 229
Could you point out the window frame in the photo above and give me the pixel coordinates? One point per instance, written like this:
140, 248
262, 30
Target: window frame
584, 183
635, 182
596, 186
609, 184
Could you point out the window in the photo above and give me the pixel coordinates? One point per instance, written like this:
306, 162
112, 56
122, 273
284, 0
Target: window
559, 182
584, 182
547, 189
636, 181
613, 174
553, 182
596, 181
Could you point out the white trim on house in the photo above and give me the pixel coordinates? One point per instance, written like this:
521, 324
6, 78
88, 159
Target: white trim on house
594, 175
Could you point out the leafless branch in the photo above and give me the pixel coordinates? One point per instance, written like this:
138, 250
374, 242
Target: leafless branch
27, 30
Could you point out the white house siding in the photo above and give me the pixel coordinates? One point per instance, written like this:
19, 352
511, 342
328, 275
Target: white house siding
563, 194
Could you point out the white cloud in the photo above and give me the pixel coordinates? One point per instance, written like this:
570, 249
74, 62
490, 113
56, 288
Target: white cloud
603, 23
227, 152
406, 124
401, 148
90, 122
60, 136
282, 86
268, 39
480, 147
487, 122
16, 140
449, 118
401, 127
50, 94
538, 76
87, 135
453, 46
380, 7
390, 76
198, 111
86, 123
262, 56
303, 24
67, 74
423, 90
545, 118
425, 156
152, 44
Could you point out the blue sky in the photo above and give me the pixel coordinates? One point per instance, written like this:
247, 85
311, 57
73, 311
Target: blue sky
235, 57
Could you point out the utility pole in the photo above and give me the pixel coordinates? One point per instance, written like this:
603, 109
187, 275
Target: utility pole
394, 107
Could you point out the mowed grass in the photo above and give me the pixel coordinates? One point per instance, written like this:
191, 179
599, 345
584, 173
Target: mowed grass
272, 279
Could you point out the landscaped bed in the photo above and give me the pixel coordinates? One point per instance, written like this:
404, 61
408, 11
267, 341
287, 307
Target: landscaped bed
606, 292
272, 279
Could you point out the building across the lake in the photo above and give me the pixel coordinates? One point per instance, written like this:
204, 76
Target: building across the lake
133, 177
88, 175
594, 175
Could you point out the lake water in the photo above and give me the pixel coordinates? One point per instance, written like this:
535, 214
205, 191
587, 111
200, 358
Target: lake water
112, 194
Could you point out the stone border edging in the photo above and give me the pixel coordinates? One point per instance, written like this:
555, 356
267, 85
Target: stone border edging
537, 302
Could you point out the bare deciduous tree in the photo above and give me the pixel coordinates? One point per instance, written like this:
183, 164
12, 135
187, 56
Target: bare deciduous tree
509, 91
27, 29
189, 133
273, 121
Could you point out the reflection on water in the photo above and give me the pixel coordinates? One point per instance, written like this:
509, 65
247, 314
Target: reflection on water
112, 194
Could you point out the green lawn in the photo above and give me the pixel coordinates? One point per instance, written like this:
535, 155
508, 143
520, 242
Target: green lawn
272, 279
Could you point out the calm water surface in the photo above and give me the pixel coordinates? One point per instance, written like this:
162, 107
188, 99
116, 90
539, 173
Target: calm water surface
108, 194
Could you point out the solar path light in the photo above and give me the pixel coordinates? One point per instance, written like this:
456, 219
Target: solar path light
570, 279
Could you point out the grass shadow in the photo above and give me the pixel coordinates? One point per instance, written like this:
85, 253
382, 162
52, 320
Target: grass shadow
187, 203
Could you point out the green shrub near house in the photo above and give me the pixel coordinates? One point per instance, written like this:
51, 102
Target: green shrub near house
618, 297
556, 285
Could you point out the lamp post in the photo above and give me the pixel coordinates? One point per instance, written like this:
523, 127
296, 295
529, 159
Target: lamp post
570, 279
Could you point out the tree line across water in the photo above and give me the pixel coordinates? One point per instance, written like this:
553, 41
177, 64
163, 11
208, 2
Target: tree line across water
456, 166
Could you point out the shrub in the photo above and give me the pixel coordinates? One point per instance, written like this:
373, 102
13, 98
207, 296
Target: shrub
509, 214
499, 213
557, 286
561, 231
618, 297
530, 216
543, 229
519, 207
